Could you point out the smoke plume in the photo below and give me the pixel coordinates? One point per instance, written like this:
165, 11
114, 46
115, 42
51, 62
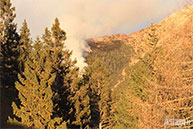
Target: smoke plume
83, 19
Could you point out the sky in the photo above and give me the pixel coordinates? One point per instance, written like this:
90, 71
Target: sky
41, 13
83, 19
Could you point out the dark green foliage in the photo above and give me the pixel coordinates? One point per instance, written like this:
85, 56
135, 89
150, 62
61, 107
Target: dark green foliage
51, 88
98, 80
139, 74
142, 73
114, 59
35, 93
91, 98
65, 69
9, 41
123, 117
81, 102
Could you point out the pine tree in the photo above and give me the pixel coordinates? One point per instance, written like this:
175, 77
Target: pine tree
66, 72
98, 80
105, 107
153, 36
25, 45
35, 93
123, 115
9, 42
54, 44
81, 102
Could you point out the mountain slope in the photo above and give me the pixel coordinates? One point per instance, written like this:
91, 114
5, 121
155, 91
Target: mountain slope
172, 24
158, 65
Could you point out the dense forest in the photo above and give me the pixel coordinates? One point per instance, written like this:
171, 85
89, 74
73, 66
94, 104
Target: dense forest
43, 88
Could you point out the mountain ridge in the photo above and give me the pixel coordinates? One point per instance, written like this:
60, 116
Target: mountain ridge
178, 19
157, 66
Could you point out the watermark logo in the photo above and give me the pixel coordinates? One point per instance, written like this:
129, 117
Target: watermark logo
176, 122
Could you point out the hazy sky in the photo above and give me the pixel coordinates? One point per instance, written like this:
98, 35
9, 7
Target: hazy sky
136, 13
83, 19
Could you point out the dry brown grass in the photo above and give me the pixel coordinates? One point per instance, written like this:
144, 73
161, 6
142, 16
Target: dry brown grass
172, 95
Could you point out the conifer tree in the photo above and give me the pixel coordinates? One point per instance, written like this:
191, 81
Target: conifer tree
81, 102
9, 42
153, 36
54, 43
25, 45
98, 80
91, 99
123, 115
142, 88
66, 72
35, 93
105, 107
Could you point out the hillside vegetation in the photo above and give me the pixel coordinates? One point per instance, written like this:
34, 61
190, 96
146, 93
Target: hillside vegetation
142, 80
158, 62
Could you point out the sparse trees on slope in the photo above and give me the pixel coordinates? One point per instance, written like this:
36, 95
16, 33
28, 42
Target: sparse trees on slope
35, 93
176, 76
162, 79
142, 78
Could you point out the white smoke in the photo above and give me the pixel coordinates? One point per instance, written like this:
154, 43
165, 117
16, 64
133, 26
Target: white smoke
83, 19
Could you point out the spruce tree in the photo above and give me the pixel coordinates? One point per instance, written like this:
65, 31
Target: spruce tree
9, 43
123, 115
82, 111
105, 107
25, 45
153, 36
98, 80
35, 93
66, 72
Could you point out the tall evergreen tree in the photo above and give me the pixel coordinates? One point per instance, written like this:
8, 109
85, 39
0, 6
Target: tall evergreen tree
9, 40
25, 45
8, 58
98, 80
105, 107
153, 36
35, 93
66, 71
91, 99
81, 103
123, 115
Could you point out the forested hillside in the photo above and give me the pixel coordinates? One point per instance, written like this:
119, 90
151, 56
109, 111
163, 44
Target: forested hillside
153, 88
142, 80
